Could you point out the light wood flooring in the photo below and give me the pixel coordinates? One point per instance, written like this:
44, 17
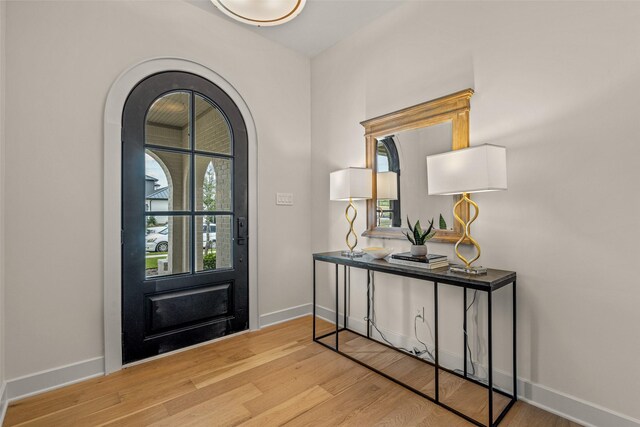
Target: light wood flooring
275, 376
462, 395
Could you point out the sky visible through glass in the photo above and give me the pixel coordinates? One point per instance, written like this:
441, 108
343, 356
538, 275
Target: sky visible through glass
383, 164
152, 168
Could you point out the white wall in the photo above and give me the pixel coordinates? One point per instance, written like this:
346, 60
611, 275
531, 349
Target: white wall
62, 58
556, 83
2, 180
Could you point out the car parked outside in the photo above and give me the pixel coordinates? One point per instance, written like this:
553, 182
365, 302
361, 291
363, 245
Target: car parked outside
212, 236
156, 229
159, 240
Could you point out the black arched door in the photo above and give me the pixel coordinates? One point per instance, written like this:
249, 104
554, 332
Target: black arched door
184, 215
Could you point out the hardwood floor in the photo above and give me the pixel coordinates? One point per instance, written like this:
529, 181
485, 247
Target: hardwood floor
275, 376
464, 396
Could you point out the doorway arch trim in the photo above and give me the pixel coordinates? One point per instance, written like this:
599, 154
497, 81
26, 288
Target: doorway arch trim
112, 271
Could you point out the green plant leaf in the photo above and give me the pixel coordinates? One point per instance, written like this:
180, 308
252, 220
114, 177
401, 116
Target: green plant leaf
417, 233
410, 238
443, 223
430, 235
430, 226
409, 224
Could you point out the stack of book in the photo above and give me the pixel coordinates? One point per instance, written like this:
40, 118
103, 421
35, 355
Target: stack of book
430, 262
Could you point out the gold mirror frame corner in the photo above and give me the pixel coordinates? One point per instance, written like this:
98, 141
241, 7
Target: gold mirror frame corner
452, 108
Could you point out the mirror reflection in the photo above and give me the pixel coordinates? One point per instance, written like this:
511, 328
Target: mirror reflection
401, 173
388, 183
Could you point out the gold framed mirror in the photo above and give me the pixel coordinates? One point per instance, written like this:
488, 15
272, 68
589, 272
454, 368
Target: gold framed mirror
398, 142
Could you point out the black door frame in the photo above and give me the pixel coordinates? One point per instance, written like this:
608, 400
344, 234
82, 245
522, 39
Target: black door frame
145, 93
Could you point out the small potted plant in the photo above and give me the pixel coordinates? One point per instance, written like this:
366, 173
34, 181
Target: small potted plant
419, 237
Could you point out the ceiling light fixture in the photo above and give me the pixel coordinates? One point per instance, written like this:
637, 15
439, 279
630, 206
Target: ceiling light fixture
261, 13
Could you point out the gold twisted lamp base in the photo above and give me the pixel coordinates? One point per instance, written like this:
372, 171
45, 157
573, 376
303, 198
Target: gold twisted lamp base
351, 231
466, 235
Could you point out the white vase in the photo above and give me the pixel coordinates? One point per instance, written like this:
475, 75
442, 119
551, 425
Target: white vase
418, 250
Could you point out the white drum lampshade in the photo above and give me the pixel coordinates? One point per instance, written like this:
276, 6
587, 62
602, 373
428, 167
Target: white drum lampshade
470, 170
350, 184
387, 186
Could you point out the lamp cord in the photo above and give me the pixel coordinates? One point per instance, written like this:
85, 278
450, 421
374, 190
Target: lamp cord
415, 351
415, 329
473, 366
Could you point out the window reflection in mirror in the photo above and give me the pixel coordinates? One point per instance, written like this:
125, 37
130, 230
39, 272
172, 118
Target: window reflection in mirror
407, 151
388, 205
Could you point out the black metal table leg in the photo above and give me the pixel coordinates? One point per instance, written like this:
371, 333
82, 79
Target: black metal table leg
464, 329
435, 339
490, 358
515, 371
368, 304
344, 301
314, 299
337, 308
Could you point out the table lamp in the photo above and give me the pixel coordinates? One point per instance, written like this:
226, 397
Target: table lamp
387, 189
470, 170
351, 184
387, 186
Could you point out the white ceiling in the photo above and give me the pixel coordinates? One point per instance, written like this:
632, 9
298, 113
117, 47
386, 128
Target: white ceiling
321, 24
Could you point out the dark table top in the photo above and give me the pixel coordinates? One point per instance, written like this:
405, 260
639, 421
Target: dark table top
494, 279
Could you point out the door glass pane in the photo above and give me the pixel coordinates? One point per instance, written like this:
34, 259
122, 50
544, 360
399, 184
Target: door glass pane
212, 130
167, 245
167, 122
213, 183
214, 242
167, 180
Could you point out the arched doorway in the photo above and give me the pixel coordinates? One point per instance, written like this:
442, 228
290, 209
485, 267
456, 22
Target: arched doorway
180, 287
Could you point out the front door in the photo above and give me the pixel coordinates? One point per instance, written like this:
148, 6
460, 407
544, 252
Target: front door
184, 215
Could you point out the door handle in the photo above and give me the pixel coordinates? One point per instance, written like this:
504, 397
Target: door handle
242, 230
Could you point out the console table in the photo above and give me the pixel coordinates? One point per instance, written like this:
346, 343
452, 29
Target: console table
455, 391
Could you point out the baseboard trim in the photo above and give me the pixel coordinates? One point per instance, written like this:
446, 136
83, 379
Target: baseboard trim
556, 402
285, 315
50, 379
572, 408
330, 315
4, 401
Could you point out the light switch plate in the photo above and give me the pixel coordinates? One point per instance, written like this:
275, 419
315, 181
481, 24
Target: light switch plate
284, 199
